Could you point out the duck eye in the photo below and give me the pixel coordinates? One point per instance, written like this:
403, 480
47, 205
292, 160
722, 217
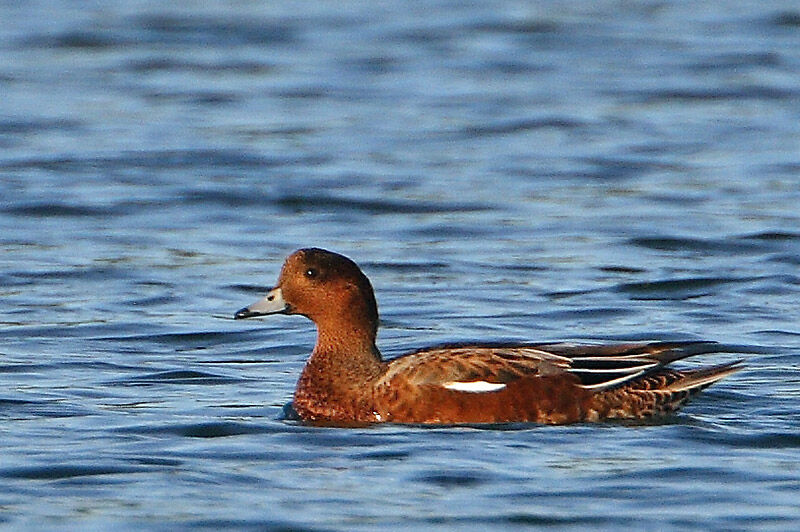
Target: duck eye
311, 273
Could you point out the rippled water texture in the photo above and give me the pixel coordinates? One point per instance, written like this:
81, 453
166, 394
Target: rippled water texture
501, 170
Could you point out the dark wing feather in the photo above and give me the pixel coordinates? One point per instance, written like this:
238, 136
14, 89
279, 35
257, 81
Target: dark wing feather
602, 367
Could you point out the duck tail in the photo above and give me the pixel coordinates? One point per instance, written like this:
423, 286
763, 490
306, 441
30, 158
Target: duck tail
657, 394
668, 352
695, 380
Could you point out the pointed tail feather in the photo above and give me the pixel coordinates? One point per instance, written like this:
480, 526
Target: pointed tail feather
696, 380
668, 352
605, 368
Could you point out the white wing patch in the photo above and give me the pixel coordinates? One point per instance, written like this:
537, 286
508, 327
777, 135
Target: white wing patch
474, 386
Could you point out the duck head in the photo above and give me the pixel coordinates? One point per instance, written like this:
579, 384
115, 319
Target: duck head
326, 287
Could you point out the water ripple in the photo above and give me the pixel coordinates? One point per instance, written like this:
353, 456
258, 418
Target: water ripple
317, 202
177, 377
214, 429
57, 210
677, 289
580, 171
162, 159
520, 125
696, 244
60, 472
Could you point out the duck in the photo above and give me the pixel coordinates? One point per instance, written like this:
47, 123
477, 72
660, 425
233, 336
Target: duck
347, 382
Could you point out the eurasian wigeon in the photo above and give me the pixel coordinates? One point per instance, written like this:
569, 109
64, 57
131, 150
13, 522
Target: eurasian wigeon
346, 382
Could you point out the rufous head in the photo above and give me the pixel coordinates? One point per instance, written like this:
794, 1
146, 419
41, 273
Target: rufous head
324, 286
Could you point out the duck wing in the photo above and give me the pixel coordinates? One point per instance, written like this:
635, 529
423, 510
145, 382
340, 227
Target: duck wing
448, 364
606, 366
595, 367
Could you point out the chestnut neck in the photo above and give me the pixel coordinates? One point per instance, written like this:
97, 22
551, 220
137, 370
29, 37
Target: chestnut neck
346, 353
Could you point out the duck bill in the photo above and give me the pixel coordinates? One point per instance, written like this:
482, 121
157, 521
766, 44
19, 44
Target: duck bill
272, 303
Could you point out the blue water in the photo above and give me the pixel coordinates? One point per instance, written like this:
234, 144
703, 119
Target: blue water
500, 170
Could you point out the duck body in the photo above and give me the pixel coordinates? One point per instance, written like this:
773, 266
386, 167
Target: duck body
346, 382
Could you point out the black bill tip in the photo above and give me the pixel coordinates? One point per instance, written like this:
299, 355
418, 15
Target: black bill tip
245, 312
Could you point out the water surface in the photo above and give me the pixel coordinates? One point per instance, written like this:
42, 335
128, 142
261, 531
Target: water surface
601, 172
